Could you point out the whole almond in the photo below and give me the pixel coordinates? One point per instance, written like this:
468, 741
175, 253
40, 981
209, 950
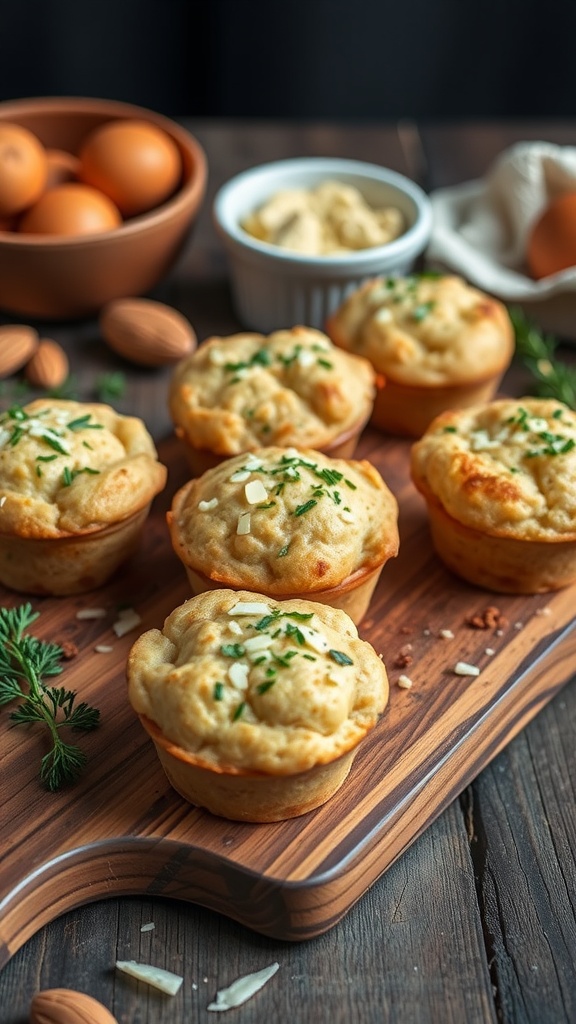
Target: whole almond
48, 367
147, 332
18, 342
64, 1006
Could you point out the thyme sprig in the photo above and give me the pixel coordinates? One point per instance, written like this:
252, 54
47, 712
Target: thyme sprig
552, 378
25, 661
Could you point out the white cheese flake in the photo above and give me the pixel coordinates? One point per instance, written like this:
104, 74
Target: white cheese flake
537, 424
127, 620
404, 682
103, 648
240, 476
238, 675
250, 608
91, 613
2, 500
462, 668
306, 358
260, 656
207, 506
217, 357
383, 315
489, 651
317, 641
166, 981
253, 462
446, 634
243, 527
242, 989
346, 516
149, 927
255, 492
480, 440
235, 628
258, 643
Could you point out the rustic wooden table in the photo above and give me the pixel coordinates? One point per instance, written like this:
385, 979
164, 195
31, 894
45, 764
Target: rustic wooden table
476, 921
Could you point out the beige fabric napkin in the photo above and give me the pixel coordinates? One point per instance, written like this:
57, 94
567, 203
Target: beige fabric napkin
480, 228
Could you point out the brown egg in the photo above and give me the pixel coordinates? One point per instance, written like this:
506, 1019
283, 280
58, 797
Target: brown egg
62, 166
23, 168
135, 163
71, 209
552, 240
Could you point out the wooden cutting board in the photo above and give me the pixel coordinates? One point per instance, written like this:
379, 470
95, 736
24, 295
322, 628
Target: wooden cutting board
123, 830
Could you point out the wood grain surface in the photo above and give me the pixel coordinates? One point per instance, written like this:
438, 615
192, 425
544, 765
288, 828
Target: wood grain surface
476, 921
123, 830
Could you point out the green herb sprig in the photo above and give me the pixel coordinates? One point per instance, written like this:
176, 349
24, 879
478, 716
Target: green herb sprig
552, 378
25, 661
110, 386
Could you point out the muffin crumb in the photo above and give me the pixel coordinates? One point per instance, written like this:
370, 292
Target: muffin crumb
405, 683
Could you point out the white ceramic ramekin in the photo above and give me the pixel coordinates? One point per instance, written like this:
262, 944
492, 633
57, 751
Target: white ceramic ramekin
274, 288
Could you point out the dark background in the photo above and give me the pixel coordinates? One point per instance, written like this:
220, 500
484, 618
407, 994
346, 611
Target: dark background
321, 59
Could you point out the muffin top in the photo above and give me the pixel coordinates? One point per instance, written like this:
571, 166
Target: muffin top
507, 468
71, 467
246, 683
425, 330
292, 387
285, 521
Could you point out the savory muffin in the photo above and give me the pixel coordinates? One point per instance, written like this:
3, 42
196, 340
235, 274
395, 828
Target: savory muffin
256, 707
437, 343
292, 387
287, 523
499, 481
76, 482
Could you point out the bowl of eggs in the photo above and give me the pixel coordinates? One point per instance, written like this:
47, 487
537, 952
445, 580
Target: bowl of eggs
97, 199
301, 234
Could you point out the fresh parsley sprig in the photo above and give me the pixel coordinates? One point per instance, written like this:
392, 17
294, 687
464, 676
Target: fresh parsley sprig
25, 661
553, 378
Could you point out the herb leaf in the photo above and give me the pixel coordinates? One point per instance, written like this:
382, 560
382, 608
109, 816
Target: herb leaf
26, 661
340, 658
552, 378
232, 650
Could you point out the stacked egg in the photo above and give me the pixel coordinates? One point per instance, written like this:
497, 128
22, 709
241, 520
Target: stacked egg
123, 168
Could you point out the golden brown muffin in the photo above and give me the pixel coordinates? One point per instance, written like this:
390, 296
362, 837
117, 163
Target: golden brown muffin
76, 482
437, 343
256, 707
287, 523
499, 481
291, 388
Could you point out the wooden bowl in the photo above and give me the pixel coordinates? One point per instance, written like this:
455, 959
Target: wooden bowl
68, 277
